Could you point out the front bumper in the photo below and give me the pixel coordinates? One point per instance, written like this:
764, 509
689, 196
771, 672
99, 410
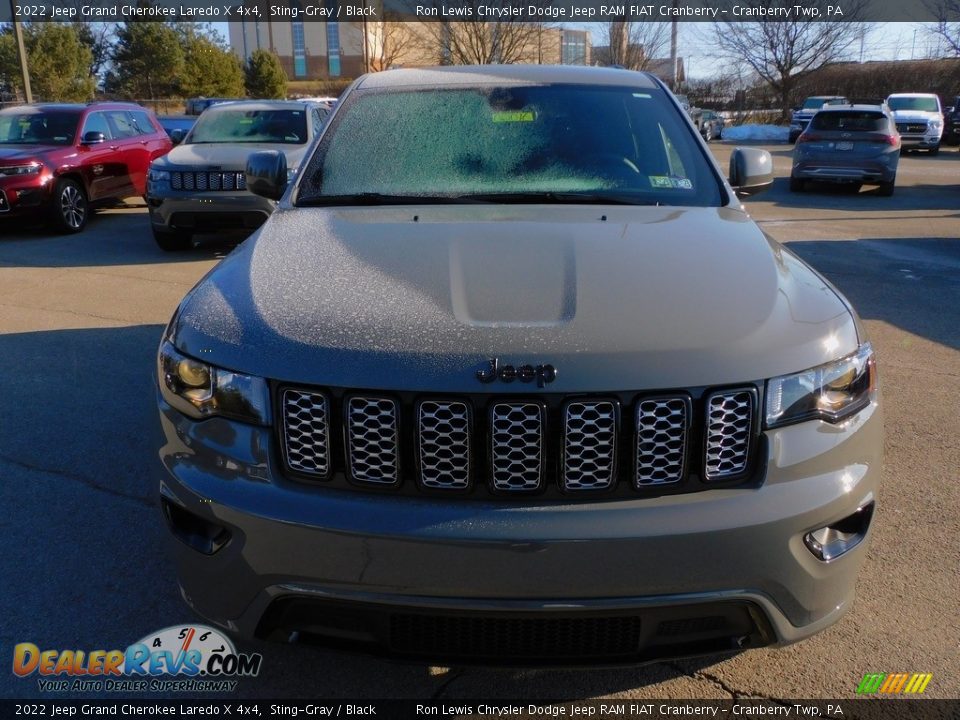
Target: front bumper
910, 141
297, 555
25, 195
206, 211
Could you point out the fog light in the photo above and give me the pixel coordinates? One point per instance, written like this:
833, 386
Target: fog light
830, 542
200, 534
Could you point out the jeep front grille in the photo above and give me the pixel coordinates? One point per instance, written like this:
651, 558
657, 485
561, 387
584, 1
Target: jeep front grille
444, 444
729, 430
517, 446
372, 439
306, 431
476, 444
590, 445
661, 449
208, 180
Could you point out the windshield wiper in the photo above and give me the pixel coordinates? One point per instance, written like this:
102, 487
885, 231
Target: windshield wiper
372, 198
561, 198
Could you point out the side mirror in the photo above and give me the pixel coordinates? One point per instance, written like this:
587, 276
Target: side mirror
267, 174
176, 136
751, 171
93, 138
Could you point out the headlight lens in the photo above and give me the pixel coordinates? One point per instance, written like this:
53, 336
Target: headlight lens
159, 175
828, 392
201, 390
31, 169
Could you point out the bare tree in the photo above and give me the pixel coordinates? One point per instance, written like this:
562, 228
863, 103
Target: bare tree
395, 43
783, 52
947, 27
634, 44
485, 43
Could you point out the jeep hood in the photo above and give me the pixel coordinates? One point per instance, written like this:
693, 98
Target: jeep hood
419, 298
228, 156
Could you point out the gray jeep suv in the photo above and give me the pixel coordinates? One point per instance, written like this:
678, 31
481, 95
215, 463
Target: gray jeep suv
511, 377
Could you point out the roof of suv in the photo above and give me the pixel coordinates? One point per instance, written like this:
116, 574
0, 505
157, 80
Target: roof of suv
507, 74
260, 105
858, 106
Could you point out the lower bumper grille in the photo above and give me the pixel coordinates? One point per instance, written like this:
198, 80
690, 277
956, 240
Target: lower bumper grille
526, 638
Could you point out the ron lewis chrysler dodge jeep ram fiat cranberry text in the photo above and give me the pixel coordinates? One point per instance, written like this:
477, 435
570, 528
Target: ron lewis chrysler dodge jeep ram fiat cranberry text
511, 377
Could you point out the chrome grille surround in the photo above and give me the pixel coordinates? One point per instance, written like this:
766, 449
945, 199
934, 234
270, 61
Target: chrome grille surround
728, 432
373, 441
516, 446
306, 432
661, 441
443, 444
589, 445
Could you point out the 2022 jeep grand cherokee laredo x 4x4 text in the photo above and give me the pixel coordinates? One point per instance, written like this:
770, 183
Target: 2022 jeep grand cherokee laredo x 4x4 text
501, 383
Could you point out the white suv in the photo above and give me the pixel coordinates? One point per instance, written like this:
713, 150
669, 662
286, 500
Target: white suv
919, 118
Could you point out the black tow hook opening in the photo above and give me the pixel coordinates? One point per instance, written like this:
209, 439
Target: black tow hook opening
194, 531
830, 542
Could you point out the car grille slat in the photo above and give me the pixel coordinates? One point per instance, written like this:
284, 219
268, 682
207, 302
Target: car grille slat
661, 450
373, 440
444, 444
306, 435
517, 446
589, 445
728, 431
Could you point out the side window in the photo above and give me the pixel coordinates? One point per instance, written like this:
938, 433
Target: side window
121, 124
142, 120
96, 122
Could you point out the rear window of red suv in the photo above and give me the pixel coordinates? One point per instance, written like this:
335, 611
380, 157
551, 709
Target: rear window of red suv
38, 127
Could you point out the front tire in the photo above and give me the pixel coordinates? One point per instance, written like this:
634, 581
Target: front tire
70, 208
886, 188
173, 240
935, 149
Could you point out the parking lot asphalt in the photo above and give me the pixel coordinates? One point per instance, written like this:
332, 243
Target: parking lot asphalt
84, 563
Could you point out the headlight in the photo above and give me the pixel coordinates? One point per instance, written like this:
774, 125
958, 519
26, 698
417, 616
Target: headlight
201, 390
159, 175
828, 392
31, 169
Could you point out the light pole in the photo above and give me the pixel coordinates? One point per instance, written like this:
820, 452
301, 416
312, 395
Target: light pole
22, 53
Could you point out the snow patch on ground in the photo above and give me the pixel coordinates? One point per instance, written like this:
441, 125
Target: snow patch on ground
756, 132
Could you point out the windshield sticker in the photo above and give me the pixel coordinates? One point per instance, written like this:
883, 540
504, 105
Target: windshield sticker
504, 116
670, 183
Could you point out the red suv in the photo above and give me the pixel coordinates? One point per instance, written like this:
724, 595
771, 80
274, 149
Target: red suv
62, 159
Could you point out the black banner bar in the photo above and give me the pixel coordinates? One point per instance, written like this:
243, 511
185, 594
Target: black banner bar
480, 10
859, 709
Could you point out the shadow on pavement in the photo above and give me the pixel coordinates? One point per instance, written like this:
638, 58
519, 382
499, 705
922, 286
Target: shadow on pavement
111, 238
912, 283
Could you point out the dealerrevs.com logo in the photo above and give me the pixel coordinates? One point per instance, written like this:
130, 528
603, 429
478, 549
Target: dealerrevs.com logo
180, 658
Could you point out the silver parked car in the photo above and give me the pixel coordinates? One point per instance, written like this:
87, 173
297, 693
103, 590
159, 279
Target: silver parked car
200, 185
850, 144
500, 382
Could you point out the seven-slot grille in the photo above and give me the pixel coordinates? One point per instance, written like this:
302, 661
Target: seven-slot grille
511, 449
208, 180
